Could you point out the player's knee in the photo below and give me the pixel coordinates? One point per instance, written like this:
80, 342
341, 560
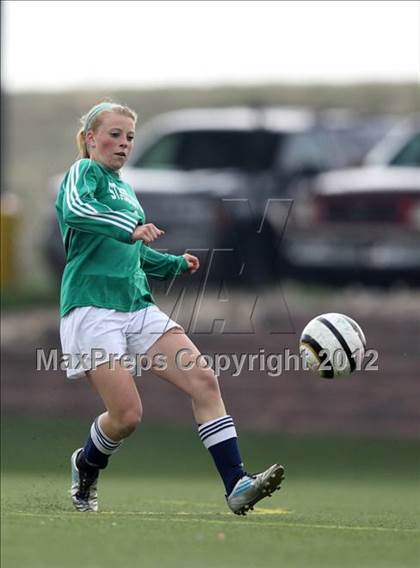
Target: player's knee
205, 385
129, 420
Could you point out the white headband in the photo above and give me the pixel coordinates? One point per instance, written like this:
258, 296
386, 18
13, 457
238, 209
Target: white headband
94, 112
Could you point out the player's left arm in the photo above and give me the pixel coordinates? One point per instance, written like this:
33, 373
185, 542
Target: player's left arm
163, 266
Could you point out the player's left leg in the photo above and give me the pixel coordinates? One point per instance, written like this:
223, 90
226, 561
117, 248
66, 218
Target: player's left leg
215, 427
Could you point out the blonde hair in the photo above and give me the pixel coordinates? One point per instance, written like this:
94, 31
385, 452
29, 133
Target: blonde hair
93, 119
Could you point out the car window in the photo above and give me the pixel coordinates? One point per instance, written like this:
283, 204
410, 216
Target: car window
161, 155
212, 149
409, 155
225, 149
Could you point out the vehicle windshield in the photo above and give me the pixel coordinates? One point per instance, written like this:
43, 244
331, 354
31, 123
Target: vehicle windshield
212, 149
409, 155
401, 147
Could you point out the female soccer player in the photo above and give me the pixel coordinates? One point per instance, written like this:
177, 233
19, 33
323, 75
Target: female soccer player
107, 308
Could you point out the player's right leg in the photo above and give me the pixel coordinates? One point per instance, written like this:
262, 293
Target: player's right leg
87, 331
123, 413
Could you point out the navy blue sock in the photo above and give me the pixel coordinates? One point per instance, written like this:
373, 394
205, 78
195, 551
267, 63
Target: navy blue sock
98, 448
92, 456
219, 437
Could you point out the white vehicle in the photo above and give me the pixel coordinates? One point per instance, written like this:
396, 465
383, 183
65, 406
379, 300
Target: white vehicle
362, 223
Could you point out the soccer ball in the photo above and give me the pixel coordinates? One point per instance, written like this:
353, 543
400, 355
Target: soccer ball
332, 345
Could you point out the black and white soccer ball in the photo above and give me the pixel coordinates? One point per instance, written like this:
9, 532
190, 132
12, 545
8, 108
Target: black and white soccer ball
332, 345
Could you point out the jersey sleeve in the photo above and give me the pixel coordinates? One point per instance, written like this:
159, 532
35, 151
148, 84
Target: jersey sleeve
83, 211
161, 266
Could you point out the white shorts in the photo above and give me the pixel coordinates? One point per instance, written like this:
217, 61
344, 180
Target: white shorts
92, 336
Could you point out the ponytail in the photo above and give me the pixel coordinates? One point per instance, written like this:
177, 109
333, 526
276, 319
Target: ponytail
81, 144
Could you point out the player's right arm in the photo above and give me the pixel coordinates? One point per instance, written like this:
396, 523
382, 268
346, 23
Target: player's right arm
83, 211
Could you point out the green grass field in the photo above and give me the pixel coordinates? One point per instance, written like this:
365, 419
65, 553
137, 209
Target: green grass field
344, 503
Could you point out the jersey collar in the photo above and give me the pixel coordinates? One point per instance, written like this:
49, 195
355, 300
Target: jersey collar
114, 173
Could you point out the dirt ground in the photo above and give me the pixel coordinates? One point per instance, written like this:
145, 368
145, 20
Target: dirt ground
382, 403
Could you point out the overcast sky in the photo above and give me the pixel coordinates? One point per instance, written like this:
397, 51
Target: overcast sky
58, 45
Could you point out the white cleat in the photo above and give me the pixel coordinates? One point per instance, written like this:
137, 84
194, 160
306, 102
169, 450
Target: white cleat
83, 487
252, 488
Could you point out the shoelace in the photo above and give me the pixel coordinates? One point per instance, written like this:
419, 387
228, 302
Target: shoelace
86, 482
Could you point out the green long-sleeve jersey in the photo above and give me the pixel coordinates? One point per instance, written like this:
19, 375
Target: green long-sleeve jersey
97, 214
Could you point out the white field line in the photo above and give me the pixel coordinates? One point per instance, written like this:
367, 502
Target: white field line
181, 517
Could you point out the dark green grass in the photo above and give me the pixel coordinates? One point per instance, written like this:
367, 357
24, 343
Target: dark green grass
345, 503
